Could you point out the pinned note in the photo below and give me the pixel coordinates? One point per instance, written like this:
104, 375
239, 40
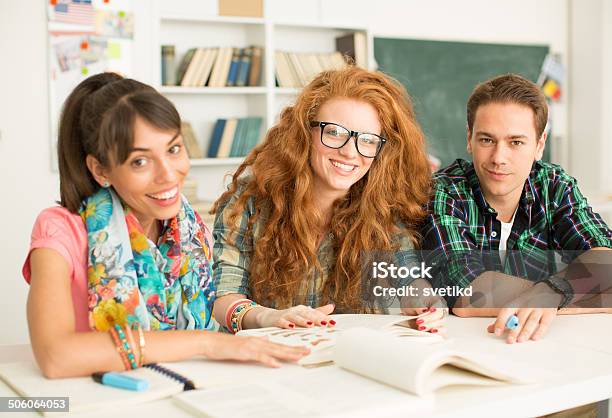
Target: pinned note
113, 50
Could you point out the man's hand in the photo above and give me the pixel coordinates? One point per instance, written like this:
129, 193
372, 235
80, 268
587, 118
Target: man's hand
536, 309
533, 323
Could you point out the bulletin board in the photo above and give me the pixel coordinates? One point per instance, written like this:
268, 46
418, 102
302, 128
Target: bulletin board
85, 37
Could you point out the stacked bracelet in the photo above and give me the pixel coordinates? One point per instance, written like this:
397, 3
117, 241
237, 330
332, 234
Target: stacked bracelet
118, 347
141, 342
126, 347
230, 311
237, 312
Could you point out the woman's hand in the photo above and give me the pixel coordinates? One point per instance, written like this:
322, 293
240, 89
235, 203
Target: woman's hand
431, 310
221, 346
429, 319
301, 316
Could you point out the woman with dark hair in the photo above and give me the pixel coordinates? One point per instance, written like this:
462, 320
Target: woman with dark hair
124, 254
343, 174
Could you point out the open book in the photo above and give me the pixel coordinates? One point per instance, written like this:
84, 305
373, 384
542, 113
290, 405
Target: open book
421, 369
321, 340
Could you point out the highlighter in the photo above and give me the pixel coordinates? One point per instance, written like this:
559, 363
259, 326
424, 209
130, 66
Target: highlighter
512, 322
121, 381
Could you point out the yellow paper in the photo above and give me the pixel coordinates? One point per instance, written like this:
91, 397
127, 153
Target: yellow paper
113, 50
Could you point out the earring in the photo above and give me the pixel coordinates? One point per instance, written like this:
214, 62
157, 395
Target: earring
106, 184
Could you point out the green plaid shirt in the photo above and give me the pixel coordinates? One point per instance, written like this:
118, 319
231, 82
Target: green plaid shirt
461, 235
231, 262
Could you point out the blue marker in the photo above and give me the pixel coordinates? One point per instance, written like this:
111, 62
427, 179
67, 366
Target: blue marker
121, 381
512, 322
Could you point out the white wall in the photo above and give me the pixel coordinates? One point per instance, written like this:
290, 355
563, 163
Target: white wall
25, 176
591, 90
27, 183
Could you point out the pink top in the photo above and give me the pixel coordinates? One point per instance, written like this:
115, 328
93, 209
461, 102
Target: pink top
60, 230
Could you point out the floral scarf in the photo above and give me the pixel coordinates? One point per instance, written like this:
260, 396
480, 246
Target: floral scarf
130, 279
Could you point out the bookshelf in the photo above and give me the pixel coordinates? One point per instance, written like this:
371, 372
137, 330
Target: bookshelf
202, 106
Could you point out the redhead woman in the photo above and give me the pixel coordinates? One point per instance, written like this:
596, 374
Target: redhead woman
343, 174
124, 255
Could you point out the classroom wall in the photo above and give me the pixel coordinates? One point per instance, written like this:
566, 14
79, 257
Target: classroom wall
27, 182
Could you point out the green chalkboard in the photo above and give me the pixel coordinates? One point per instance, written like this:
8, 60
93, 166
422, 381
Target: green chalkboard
440, 77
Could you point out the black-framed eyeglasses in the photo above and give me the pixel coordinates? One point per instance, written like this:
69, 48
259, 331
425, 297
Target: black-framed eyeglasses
336, 136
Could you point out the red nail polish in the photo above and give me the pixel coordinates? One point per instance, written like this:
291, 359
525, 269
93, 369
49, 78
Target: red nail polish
421, 328
332, 322
432, 309
309, 323
433, 330
291, 325
323, 322
419, 321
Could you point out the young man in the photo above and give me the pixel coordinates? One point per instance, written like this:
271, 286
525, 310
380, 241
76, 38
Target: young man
495, 224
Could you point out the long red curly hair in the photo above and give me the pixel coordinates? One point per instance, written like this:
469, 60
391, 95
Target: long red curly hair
278, 176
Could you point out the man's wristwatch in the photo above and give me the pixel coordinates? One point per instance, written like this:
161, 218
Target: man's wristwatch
562, 286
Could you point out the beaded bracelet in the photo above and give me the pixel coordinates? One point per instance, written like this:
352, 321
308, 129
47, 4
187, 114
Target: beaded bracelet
238, 314
141, 341
126, 347
230, 311
122, 354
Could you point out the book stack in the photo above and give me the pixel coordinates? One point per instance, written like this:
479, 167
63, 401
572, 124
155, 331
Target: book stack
191, 141
215, 67
354, 46
298, 69
190, 189
234, 137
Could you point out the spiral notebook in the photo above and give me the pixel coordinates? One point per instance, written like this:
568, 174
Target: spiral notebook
165, 380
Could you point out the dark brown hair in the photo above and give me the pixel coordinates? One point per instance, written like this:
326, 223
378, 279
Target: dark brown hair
279, 177
98, 119
509, 88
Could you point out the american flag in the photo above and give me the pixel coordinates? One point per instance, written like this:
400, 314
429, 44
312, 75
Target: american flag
79, 12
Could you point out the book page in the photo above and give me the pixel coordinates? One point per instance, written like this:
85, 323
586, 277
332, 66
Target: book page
411, 367
320, 339
328, 391
85, 395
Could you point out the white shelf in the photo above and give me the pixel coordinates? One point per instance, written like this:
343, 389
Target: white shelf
211, 90
214, 19
209, 162
319, 26
287, 90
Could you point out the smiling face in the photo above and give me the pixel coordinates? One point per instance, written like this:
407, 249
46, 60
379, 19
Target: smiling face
150, 181
504, 145
336, 170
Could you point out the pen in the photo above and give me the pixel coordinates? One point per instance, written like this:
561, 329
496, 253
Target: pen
120, 381
512, 322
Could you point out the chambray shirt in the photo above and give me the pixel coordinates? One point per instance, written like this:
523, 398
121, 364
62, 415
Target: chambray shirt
231, 262
462, 232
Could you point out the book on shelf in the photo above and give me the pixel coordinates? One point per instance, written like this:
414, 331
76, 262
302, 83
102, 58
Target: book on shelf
242, 77
298, 69
226, 138
190, 75
206, 66
374, 371
191, 141
182, 68
220, 70
190, 189
234, 137
167, 65
355, 46
215, 139
232, 76
255, 69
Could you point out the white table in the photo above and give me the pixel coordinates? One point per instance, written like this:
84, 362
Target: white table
574, 360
